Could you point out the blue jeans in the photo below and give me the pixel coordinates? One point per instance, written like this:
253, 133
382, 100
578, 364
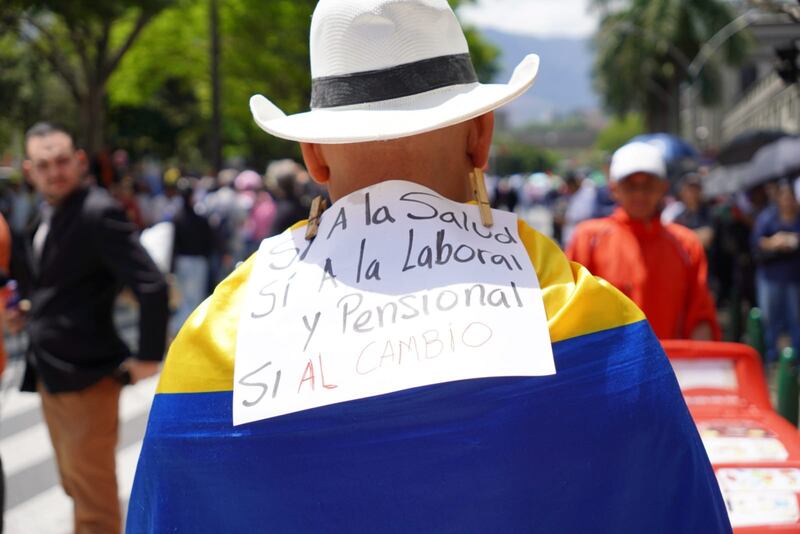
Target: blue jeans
191, 275
780, 309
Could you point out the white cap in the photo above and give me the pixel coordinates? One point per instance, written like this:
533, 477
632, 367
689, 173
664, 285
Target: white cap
637, 157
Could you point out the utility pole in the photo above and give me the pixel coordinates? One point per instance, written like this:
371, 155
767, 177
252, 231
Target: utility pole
216, 114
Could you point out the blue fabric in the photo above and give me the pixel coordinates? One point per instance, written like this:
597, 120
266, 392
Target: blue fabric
780, 309
605, 445
781, 267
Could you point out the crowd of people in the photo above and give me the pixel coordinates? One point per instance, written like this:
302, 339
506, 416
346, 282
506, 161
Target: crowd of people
747, 239
216, 221
678, 255
744, 243
519, 429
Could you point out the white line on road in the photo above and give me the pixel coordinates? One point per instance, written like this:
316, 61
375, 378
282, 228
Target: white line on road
32, 446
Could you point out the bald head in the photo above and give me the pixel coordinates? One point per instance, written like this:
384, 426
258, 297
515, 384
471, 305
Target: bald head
441, 160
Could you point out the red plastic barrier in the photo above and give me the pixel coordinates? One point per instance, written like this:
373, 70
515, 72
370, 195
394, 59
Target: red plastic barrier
751, 384
754, 451
775, 484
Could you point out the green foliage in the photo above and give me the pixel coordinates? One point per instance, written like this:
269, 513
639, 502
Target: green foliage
510, 156
29, 92
572, 122
264, 50
151, 60
644, 49
619, 131
81, 43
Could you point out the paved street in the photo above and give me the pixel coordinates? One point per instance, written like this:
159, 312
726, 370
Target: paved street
35, 501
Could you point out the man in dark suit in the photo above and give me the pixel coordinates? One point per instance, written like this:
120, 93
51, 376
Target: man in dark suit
72, 263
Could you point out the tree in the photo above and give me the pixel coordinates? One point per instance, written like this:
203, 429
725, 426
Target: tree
83, 43
619, 131
644, 50
513, 156
28, 91
140, 74
263, 49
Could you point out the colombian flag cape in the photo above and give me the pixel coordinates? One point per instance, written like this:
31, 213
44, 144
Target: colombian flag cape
604, 445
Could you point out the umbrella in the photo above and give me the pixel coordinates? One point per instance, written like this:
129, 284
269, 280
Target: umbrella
743, 147
780, 159
673, 148
725, 180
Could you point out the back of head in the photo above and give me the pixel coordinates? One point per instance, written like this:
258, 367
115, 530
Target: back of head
393, 71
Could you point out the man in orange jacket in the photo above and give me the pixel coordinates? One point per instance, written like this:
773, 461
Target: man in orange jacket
662, 268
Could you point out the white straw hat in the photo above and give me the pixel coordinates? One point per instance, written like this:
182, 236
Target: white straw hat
637, 157
384, 69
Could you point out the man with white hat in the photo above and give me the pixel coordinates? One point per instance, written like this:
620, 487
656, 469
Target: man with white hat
661, 267
408, 361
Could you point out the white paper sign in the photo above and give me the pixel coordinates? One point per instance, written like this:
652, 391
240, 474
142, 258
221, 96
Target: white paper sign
401, 288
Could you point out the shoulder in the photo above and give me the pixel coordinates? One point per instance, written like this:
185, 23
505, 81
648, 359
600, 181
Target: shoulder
99, 204
594, 227
766, 219
586, 234
576, 302
201, 359
685, 238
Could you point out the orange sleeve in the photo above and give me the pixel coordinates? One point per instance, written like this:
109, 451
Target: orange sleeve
5, 245
700, 307
579, 248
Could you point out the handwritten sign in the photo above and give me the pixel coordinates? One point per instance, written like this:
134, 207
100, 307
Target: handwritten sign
401, 288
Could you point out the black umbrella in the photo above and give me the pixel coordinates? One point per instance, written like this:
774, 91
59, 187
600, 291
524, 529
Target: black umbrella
744, 146
780, 159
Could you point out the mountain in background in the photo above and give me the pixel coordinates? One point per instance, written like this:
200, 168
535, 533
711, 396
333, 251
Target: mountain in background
564, 84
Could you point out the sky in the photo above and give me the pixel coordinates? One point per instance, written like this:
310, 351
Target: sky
541, 18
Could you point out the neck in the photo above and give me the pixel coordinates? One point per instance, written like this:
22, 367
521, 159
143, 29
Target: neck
440, 160
643, 220
54, 202
453, 187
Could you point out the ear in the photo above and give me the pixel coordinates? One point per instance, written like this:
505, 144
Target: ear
315, 162
479, 140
